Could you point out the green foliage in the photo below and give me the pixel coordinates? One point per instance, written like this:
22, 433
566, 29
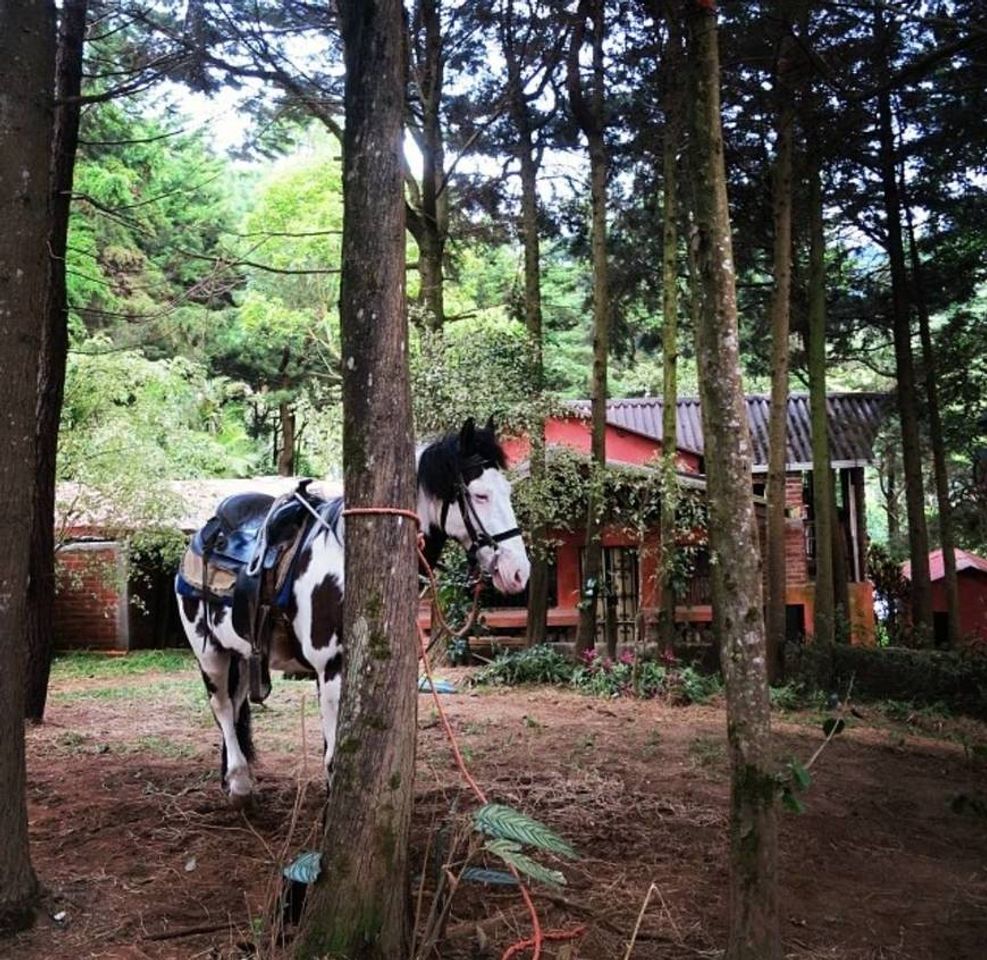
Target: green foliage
455, 597
129, 424
689, 685
538, 664
601, 676
510, 853
510, 830
955, 679
505, 823
629, 497
793, 781
477, 369
152, 203
788, 696
156, 549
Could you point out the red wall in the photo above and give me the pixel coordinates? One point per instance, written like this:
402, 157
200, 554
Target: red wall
623, 445
973, 603
90, 599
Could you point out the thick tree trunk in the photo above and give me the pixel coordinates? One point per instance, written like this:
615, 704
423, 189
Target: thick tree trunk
286, 451
54, 353
911, 446
589, 113
670, 326
360, 907
941, 471
528, 160
823, 500
27, 65
777, 581
736, 577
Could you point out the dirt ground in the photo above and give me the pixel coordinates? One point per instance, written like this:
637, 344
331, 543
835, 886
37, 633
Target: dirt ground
143, 858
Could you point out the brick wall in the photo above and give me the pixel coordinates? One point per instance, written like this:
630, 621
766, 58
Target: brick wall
91, 597
795, 560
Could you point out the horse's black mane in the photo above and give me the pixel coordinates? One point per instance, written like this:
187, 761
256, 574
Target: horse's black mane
443, 460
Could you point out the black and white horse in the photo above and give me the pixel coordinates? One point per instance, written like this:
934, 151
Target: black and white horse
462, 494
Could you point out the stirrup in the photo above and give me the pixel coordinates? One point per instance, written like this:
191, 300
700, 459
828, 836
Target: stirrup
260, 677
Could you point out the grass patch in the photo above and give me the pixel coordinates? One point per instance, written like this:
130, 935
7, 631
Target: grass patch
84, 664
178, 691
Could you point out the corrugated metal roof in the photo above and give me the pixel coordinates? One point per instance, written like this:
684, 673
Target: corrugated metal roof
854, 419
78, 507
937, 569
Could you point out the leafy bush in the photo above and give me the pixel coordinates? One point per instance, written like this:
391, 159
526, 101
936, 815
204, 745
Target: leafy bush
920, 677
789, 696
455, 586
539, 664
688, 685
601, 676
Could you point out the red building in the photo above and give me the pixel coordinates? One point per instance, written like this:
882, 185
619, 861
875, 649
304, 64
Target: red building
971, 578
634, 439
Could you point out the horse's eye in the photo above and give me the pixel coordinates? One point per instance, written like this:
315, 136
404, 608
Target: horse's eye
481, 497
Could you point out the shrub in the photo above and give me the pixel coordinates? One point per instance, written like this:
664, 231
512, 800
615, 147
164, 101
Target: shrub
921, 677
601, 676
539, 664
688, 685
789, 696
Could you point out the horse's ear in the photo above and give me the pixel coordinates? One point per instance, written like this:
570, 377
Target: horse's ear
491, 426
467, 436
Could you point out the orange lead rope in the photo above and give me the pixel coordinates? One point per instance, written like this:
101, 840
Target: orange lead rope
533, 943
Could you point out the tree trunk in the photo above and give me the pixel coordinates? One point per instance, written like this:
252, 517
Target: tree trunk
888, 478
670, 327
738, 620
528, 160
589, 114
432, 220
777, 581
54, 353
286, 452
823, 501
27, 64
841, 576
911, 447
939, 466
360, 907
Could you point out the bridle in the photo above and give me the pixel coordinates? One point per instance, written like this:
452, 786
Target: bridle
479, 535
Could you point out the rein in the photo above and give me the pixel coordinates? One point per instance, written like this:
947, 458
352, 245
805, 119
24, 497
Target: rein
475, 530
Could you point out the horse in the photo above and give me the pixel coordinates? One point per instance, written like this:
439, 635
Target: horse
462, 494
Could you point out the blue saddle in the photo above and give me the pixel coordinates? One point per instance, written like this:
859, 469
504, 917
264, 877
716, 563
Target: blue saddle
230, 537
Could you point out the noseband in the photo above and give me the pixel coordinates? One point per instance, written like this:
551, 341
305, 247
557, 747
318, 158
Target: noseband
475, 530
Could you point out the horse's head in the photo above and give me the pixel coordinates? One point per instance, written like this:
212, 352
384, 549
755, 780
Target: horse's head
463, 493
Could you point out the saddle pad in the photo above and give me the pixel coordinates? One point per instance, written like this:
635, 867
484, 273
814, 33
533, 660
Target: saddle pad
221, 580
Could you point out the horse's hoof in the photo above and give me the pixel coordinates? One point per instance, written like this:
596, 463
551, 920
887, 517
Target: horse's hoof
241, 801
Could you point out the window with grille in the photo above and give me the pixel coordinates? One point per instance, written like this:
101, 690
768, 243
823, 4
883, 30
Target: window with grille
619, 596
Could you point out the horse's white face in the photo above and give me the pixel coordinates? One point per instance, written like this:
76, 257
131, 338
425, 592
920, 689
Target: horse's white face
507, 565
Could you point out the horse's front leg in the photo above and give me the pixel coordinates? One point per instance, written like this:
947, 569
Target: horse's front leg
220, 654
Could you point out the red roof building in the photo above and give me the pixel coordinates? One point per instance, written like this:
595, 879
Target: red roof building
971, 576
633, 438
